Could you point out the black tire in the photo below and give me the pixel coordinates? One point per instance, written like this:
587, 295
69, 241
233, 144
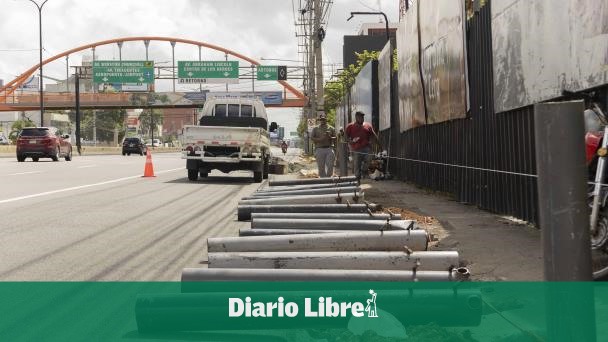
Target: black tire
204, 174
266, 168
124, 153
192, 175
35, 159
20, 159
68, 157
128, 153
55, 157
258, 172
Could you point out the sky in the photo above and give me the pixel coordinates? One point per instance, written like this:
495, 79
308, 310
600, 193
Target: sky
255, 28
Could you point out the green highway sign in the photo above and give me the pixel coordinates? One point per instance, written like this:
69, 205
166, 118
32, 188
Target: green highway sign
123, 72
189, 72
272, 73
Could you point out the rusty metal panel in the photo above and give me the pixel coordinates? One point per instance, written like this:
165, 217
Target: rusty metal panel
443, 59
541, 47
411, 101
384, 82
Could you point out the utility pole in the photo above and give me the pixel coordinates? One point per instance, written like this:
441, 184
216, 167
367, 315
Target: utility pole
311, 65
94, 111
318, 35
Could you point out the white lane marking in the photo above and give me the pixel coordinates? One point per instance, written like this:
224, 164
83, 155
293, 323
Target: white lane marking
24, 173
86, 166
15, 199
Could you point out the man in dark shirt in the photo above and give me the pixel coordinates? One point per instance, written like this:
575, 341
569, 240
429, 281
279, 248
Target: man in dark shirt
359, 135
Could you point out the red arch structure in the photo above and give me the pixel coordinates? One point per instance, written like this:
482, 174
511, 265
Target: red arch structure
9, 88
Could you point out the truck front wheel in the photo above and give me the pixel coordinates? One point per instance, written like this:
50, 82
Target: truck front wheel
192, 174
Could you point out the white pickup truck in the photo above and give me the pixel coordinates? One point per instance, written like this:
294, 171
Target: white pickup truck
232, 135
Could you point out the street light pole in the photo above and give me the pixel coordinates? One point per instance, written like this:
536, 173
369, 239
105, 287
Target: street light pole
40, 59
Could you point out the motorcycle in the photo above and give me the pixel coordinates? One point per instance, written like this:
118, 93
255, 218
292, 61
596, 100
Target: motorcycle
596, 144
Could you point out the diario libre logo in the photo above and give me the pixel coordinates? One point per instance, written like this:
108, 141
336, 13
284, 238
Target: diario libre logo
321, 307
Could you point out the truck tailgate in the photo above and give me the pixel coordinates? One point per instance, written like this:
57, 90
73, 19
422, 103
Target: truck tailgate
221, 135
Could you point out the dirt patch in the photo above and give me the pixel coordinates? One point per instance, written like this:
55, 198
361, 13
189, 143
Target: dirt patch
410, 215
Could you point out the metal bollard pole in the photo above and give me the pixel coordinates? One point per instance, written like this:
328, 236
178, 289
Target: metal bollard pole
564, 218
244, 211
307, 187
416, 240
329, 180
427, 261
309, 199
562, 192
261, 232
241, 274
335, 191
326, 224
336, 216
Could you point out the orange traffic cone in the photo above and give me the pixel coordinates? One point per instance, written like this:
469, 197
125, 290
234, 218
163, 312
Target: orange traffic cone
149, 169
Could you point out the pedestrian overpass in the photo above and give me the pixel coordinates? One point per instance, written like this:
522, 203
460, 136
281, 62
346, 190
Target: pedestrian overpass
11, 99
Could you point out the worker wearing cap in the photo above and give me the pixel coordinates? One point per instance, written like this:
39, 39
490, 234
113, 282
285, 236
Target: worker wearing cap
359, 135
324, 138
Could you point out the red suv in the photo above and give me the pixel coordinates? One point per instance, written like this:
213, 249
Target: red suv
43, 142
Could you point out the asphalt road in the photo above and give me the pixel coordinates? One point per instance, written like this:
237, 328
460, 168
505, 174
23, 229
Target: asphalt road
96, 218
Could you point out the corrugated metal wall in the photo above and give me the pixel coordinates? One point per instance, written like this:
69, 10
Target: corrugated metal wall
486, 159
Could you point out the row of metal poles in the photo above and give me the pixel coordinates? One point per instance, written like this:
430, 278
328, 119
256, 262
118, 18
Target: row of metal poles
312, 230
323, 229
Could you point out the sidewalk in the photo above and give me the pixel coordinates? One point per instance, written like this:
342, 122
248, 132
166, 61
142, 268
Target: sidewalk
494, 248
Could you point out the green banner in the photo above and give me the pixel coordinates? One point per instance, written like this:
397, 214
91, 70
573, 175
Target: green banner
123, 72
331, 311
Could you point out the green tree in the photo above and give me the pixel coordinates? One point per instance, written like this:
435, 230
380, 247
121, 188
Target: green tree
145, 122
106, 121
145, 100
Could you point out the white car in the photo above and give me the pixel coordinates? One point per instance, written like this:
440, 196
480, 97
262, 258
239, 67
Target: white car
153, 143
